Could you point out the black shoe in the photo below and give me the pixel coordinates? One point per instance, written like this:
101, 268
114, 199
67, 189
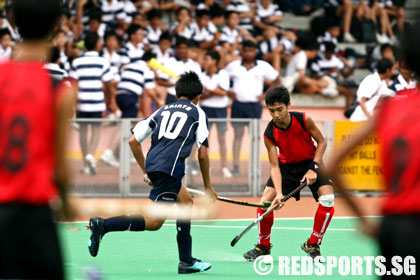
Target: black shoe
259, 250
236, 172
312, 250
96, 225
195, 266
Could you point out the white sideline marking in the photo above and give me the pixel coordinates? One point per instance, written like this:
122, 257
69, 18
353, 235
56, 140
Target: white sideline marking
283, 228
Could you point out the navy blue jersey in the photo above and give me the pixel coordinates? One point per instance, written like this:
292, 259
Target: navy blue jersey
174, 129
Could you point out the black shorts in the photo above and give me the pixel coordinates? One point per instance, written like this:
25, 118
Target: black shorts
89, 115
246, 110
128, 105
165, 187
291, 174
399, 236
29, 243
217, 113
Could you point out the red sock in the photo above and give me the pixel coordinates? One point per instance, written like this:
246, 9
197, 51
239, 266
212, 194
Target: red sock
264, 228
322, 220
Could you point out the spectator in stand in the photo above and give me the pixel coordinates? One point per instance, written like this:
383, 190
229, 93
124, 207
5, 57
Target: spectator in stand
60, 40
93, 74
133, 49
381, 51
404, 80
278, 51
386, 34
330, 67
248, 76
246, 14
53, 65
109, 52
214, 102
95, 25
267, 17
202, 33
360, 9
217, 19
5, 44
183, 26
396, 10
83, 12
371, 89
163, 50
331, 34
295, 71
178, 65
155, 28
113, 13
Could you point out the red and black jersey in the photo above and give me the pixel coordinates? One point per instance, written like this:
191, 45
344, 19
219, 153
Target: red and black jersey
295, 142
27, 126
399, 132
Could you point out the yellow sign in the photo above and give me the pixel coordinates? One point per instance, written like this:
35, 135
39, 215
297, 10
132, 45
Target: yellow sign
361, 169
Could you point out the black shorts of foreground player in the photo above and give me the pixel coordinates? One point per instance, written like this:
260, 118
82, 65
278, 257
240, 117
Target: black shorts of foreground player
297, 160
174, 129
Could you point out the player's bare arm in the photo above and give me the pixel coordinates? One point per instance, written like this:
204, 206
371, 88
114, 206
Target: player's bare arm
316, 134
274, 171
203, 159
137, 150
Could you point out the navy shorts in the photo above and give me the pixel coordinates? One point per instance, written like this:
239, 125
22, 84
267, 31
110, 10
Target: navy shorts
170, 99
165, 187
128, 105
245, 110
291, 174
89, 115
217, 113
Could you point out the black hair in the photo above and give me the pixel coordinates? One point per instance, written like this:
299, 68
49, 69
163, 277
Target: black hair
202, 12
214, 55
249, 44
36, 19
153, 14
148, 55
308, 42
132, 29
110, 33
180, 10
55, 55
182, 41
95, 14
4, 32
386, 46
277, 94
188, 85
216, 11
329, 47
91, 40
227, 15
193, 43
384, 64
165, 36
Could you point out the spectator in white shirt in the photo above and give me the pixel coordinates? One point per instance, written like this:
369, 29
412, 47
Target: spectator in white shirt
110, 53
178, 65
371, 90
404, 80
267, 16
155, 28
296, 68
163, 50
183, 26
214, 101
132, 51
202, 34
5, 44
95, 24
248, 76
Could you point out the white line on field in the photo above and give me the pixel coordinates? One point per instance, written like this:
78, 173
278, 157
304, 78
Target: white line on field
282, 228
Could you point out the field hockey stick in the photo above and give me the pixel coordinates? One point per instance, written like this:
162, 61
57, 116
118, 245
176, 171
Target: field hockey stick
268, 212
225, 199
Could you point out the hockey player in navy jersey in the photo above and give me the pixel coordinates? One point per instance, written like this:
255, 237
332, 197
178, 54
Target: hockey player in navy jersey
174, 129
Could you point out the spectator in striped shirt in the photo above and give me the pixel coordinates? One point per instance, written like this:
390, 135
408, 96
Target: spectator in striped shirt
133, 50
54, 65
183, 26
93, 73
5, 44
202, 34
113, 13
155, 29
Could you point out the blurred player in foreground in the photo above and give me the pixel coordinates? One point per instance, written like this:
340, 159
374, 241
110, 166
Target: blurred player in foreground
396, 123
33, 124
174, 129
298, 159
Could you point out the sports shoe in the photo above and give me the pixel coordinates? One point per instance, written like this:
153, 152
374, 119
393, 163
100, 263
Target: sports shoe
96, 225
259, 250
226, 173
91, 163
348, 38
109, 158
235, 171
312, 250
196, 266
85, 169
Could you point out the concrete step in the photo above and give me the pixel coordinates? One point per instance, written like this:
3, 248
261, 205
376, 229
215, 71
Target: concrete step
317, 101
358, 47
